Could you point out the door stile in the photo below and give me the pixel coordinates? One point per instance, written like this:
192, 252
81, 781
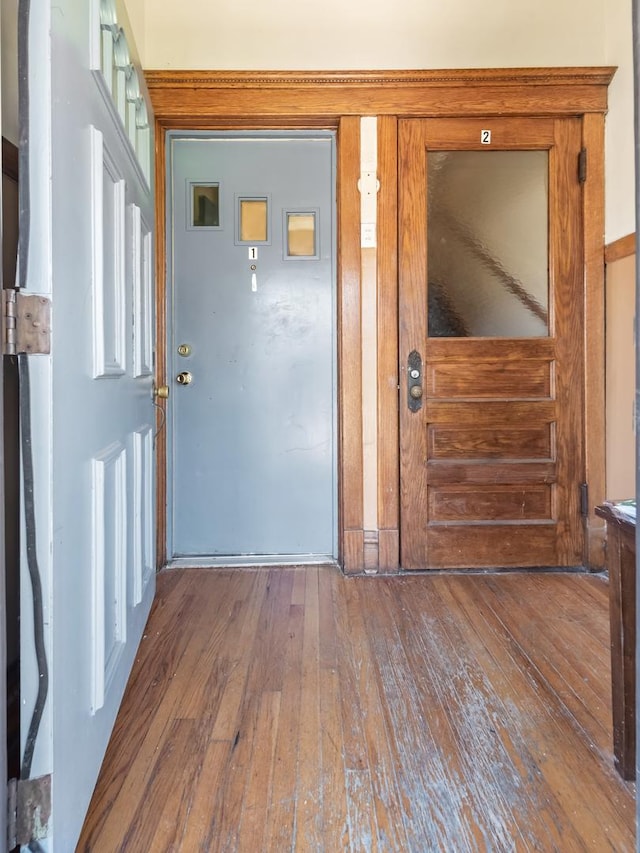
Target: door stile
568, 330
412, 241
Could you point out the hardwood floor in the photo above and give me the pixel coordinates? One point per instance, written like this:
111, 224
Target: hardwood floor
295, 709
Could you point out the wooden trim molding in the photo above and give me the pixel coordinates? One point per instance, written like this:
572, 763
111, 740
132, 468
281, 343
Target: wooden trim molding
351, 506
350, 347
162, 376
388, 435
594, 337
201, 100
210, 95
619, 249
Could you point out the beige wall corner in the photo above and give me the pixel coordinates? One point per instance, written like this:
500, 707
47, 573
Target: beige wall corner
620, 378
620, 210
9, 58
373, 34
136, 11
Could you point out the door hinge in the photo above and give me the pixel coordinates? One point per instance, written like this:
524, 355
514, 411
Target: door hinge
27, 323
29, 810
582, 165
584, 500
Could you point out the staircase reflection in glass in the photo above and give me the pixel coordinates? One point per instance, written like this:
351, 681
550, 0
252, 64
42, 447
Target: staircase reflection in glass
487, 243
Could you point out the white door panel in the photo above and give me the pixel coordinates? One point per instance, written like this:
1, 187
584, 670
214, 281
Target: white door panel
92, 404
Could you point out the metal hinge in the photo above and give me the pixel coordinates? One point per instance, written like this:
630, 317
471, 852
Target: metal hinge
27, 323
29, 810
582, 166
584, 500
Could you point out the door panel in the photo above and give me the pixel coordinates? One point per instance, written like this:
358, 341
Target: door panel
491, 301
91, 399
253, 458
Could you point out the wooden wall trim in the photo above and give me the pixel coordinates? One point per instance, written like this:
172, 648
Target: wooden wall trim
162, 377
337, 100
350, 346
388, 436
619, 249
594, 341
350, 445
507, 91
599, 75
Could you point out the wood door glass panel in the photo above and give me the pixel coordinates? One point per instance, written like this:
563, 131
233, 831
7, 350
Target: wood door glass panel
491, 461
487, 244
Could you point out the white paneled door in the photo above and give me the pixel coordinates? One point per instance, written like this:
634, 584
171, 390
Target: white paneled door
90, 250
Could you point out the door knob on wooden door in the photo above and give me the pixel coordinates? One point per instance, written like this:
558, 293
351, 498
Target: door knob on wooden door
414, 381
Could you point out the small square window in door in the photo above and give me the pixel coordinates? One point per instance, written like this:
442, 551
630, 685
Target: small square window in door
205, 205
301, 234
253, 220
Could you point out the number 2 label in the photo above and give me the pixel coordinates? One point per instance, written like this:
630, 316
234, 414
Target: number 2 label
485, 137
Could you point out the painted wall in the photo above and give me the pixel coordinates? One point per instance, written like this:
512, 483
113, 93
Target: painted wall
136, 12
373, 33
620, 382
9, 62
620, 216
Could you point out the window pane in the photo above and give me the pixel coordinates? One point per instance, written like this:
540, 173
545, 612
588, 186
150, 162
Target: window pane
487, 243
253, 220
301, 235
206, 206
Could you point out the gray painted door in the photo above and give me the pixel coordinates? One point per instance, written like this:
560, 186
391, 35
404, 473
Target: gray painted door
90, 250
252, 300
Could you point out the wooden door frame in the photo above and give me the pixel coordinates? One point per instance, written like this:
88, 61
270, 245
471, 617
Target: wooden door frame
336, 100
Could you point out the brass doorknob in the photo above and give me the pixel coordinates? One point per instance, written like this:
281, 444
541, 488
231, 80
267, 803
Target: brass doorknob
161, 392
416, 391
184, 378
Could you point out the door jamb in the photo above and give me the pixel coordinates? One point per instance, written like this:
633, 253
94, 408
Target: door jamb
350, 502
285, 100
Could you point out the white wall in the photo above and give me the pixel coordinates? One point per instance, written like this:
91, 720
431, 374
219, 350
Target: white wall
369, 34
136, 12
620, 217
285, 34
9, 59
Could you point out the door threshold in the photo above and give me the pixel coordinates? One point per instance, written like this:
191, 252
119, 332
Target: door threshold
250, 561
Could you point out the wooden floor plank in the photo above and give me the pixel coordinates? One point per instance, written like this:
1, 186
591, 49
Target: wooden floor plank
560, 755
332, 780
281, 814
308, 802
295, 709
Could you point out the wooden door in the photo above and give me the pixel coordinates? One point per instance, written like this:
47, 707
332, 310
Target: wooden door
491, 343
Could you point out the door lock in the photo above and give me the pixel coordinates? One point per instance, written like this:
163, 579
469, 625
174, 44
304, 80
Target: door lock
414, 381
184, 378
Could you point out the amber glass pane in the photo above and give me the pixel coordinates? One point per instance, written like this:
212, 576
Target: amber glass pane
487, 252
253, 220
301, 235
206, 206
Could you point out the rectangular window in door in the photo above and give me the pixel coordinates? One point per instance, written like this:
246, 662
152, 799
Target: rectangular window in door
487, 243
